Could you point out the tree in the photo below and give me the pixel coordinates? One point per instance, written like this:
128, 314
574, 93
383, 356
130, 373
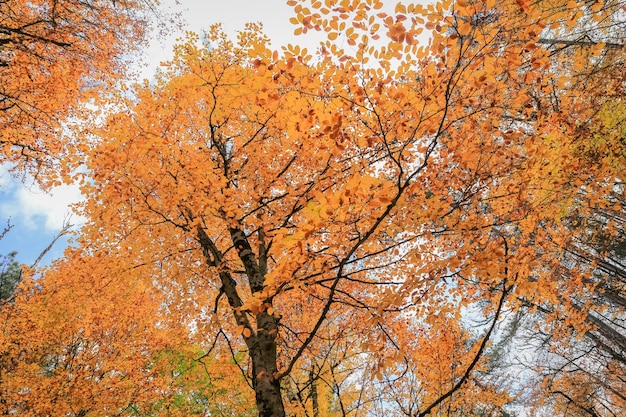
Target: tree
583, 369
10, 270
300, 214
55, 55
10, 275
78, 347
579, 349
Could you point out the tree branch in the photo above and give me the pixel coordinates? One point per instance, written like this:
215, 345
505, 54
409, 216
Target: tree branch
64, 230
477, 357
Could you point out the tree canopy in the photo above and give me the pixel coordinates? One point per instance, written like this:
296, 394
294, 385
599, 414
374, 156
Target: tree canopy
346, 232
55, 55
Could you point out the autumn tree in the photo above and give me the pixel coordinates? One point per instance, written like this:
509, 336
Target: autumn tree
579, 347
320, 221
77, 347
54, 55
583, 369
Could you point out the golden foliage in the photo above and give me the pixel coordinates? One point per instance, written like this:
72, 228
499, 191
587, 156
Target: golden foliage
55, 55
323, 224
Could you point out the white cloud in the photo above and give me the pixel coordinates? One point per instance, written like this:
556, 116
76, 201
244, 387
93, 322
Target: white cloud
36, 209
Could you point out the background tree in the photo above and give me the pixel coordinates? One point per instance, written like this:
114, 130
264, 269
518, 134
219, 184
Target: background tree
55, 55
582, 368
587, 54
78, 347
10, 275
10, 270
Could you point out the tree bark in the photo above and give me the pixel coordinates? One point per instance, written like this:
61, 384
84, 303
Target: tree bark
314, 399
264, 368
262, 343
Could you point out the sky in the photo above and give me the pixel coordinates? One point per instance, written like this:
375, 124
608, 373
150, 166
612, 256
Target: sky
37, 217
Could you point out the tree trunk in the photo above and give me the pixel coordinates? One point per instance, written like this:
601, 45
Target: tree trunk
314, 399
261, 342
262, 347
